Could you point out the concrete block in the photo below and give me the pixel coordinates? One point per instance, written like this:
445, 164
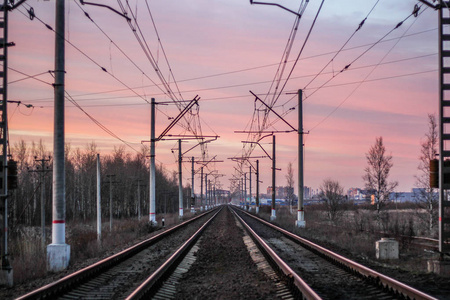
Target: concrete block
386, 248
440, 267
6, 277
58, 257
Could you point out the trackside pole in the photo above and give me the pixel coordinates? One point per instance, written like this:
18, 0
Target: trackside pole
192, 189
250, 188
152, 185
257, 186
99, 201
180, 180
273, 216
58, 252
300, 212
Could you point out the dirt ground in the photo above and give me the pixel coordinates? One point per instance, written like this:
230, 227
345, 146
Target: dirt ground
224, 268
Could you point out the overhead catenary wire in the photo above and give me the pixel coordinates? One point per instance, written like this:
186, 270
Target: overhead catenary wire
365, 78
98, 123
85, 55
346, 67
361, 24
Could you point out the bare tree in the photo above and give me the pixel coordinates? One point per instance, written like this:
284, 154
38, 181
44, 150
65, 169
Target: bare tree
427, 197
333, 194
290, 185
379, 165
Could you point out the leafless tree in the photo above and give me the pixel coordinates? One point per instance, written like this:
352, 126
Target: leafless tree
290, 185
376, 175
333, 194
427, 197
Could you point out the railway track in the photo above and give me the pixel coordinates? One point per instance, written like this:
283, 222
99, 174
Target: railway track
292, 267
327, 274
117, 276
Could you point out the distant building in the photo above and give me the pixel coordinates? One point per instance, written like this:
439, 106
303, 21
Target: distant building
281, 192
356, 194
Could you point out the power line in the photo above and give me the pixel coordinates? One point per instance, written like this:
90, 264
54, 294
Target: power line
84, 54
98, 123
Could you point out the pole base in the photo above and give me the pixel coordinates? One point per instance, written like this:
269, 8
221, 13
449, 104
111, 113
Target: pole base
273, 216
440, 267
300, 219
300, 224
257, 210
193, 210
6, 277
58, 257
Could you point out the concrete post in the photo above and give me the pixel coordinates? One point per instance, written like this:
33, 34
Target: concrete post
257, 186
250, 188
152, 184
42, 176
206, 191
58, 252
245, 191
201, 189
273, 216
300, 211
180, 180
139, 199
99, 202
192, 188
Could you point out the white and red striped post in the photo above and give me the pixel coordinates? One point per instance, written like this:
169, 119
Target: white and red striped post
58, 252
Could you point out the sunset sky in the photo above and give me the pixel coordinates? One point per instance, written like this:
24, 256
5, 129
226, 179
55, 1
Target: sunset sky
220, 50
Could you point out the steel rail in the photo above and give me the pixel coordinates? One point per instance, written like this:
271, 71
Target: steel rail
70, 281
148, 286
383, 280
306, 291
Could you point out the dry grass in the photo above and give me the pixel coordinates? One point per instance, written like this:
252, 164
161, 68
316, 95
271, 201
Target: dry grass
28, 257
355, 234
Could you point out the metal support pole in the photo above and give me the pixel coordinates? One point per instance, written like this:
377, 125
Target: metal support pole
300, 212
273, 216
139, 199
257, 186
180, 180
42, 176
210, 193
245, 192
242, 194
99, 201
6, 272
58, 252
201, 189
152, 184
206, 191
192, 189
250, 188
110, 203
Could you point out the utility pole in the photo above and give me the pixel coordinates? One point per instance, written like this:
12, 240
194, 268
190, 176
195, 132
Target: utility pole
180, 180
58, 252
201, 189
210, 193
6, 276
42, 172
273, 216
300, 212
99, 202
250, 187
257, 186
139, 198
192, 189
245, 192
110, 176
152, 184
206, 191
